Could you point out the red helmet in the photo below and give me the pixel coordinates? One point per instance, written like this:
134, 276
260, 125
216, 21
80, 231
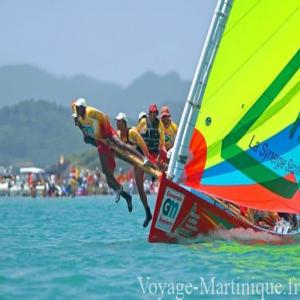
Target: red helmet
164, 112
153, 108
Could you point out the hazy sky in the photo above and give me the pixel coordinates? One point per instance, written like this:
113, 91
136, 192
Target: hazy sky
112, 40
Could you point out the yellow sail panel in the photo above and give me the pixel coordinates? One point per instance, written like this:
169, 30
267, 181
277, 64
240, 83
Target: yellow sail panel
259, 41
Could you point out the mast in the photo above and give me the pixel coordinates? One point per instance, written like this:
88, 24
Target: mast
195, 96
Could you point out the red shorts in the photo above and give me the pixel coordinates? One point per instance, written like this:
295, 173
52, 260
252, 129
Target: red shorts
108, 131
104, 149
162, 155
153, 157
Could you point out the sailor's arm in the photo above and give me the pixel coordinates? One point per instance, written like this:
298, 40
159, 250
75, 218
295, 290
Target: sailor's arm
162, 148
87, 138
175, 127
90, 140
74, 114
173, 133
161, 136
141, 126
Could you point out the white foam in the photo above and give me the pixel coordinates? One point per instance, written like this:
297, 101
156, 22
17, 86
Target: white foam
248, 236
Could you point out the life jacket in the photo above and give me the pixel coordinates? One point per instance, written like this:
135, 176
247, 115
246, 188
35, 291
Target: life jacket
152, 136
127, 141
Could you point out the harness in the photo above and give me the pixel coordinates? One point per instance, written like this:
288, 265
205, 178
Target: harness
152, 136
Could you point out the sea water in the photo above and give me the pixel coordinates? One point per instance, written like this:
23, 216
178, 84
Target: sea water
92, 248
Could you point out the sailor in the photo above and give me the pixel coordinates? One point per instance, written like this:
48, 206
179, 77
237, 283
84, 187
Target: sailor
266, 219
32, 183
170, 127
152, 131
132, 137
291, 218
97, 130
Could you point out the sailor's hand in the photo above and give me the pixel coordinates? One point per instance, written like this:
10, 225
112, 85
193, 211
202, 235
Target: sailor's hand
146, 162
90, 140
162, 154
76, 122
169, 153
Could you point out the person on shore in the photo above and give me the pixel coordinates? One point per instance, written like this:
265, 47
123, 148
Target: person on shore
97, 130
131, 136
32, 182
152, 131
170, 127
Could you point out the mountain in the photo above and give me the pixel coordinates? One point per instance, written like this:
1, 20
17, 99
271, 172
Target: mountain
21, 82
39, 131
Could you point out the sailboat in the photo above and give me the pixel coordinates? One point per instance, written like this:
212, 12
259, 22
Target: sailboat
238, 143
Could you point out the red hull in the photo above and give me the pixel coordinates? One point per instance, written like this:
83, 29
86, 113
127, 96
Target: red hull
180, 214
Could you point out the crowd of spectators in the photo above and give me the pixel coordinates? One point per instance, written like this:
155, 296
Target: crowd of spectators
73, 182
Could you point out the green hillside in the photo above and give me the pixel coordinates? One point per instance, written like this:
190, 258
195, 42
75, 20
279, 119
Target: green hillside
37, 132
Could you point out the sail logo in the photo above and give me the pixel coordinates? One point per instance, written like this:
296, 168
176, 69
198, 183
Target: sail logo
169, 210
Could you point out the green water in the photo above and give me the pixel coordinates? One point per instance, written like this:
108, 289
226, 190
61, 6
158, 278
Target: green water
92, 248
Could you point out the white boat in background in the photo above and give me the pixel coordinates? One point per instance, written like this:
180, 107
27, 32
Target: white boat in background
4, 188
32, 170
21, 186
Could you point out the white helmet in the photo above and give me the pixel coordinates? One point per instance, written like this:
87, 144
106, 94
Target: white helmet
142, 115
121, 116
80, 102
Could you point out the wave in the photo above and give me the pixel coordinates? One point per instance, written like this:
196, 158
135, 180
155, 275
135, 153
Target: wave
243, 236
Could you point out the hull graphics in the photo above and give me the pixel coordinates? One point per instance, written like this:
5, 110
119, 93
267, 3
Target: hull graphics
180, 215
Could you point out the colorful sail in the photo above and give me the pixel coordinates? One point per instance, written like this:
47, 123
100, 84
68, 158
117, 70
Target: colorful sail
245, 146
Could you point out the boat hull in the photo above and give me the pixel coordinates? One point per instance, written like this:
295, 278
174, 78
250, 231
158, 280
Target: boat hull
181, 215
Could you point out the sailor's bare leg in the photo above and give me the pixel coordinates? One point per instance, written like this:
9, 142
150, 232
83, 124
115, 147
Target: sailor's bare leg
139, 179
109, 174
112, 181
